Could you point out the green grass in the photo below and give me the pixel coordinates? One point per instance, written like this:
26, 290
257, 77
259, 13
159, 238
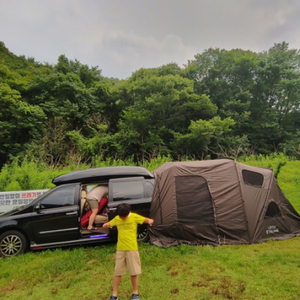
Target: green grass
262, 271
289, 182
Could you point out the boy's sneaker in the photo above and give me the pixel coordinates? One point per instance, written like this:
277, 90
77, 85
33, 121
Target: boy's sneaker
135, 297
113, 298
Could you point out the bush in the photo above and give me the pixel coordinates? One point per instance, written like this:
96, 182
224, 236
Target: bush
273, 161
25, 175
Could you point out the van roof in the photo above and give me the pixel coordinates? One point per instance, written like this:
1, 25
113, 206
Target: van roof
104, 173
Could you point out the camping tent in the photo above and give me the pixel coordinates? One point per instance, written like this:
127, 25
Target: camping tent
218, 202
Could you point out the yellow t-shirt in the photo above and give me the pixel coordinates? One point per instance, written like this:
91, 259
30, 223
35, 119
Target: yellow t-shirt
127, 231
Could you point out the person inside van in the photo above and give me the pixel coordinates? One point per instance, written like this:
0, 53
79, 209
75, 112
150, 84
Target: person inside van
93, 198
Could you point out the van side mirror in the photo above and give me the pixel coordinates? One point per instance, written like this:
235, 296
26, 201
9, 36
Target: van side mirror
37, 207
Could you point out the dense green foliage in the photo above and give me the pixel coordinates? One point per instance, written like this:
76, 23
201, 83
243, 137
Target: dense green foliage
222, 103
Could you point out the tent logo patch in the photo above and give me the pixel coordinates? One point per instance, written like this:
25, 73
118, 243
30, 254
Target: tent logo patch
272, 229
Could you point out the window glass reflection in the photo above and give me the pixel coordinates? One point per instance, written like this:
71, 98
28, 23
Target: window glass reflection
63, 196
128, 190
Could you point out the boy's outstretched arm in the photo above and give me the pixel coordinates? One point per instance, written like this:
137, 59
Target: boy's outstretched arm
149, 221
106, 225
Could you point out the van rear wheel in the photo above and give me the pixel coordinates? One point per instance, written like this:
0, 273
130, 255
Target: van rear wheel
12, 243
143, 233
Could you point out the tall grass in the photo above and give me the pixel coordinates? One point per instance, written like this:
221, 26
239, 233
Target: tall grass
31, 175
25, 175
289, 182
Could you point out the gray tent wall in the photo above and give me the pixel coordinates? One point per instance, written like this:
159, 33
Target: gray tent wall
279, 225
269, 213
254, 196
218, 202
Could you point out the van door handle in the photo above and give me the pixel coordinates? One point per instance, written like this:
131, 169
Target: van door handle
71, 213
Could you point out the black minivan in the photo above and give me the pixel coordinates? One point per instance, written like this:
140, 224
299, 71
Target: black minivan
53, 219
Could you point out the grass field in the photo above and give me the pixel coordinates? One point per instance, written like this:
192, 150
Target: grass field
261, 271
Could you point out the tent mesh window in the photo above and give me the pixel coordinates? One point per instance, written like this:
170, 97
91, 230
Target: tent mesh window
253, 178
272, 211
194, 203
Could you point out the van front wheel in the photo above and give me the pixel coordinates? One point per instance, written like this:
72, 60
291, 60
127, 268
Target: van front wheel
12, 243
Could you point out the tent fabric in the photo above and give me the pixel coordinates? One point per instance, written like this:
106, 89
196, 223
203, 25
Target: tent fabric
218, 202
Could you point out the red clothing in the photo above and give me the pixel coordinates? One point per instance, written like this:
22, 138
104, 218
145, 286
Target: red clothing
85, 219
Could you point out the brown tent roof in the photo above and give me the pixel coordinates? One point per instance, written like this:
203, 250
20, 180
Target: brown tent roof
219, 202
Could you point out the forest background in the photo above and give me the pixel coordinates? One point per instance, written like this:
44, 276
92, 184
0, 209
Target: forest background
222, 103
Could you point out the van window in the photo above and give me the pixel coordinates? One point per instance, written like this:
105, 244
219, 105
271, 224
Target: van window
62, 196
128, 190
253, 178
148, 189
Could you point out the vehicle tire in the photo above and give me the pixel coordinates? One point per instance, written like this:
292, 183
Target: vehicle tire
12, 243
143, 233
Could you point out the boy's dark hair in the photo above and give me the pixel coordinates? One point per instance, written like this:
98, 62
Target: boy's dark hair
123, 210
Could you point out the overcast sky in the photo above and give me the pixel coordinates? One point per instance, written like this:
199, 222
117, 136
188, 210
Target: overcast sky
122, 36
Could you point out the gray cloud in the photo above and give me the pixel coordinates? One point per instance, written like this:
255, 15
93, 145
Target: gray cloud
122, 36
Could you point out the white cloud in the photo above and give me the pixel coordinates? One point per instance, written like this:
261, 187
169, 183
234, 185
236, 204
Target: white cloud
122, 36
130, 52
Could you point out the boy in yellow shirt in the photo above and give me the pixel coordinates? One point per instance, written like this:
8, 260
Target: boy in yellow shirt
127, 248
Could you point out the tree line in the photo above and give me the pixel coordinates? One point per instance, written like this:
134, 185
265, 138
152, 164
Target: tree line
229, 103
